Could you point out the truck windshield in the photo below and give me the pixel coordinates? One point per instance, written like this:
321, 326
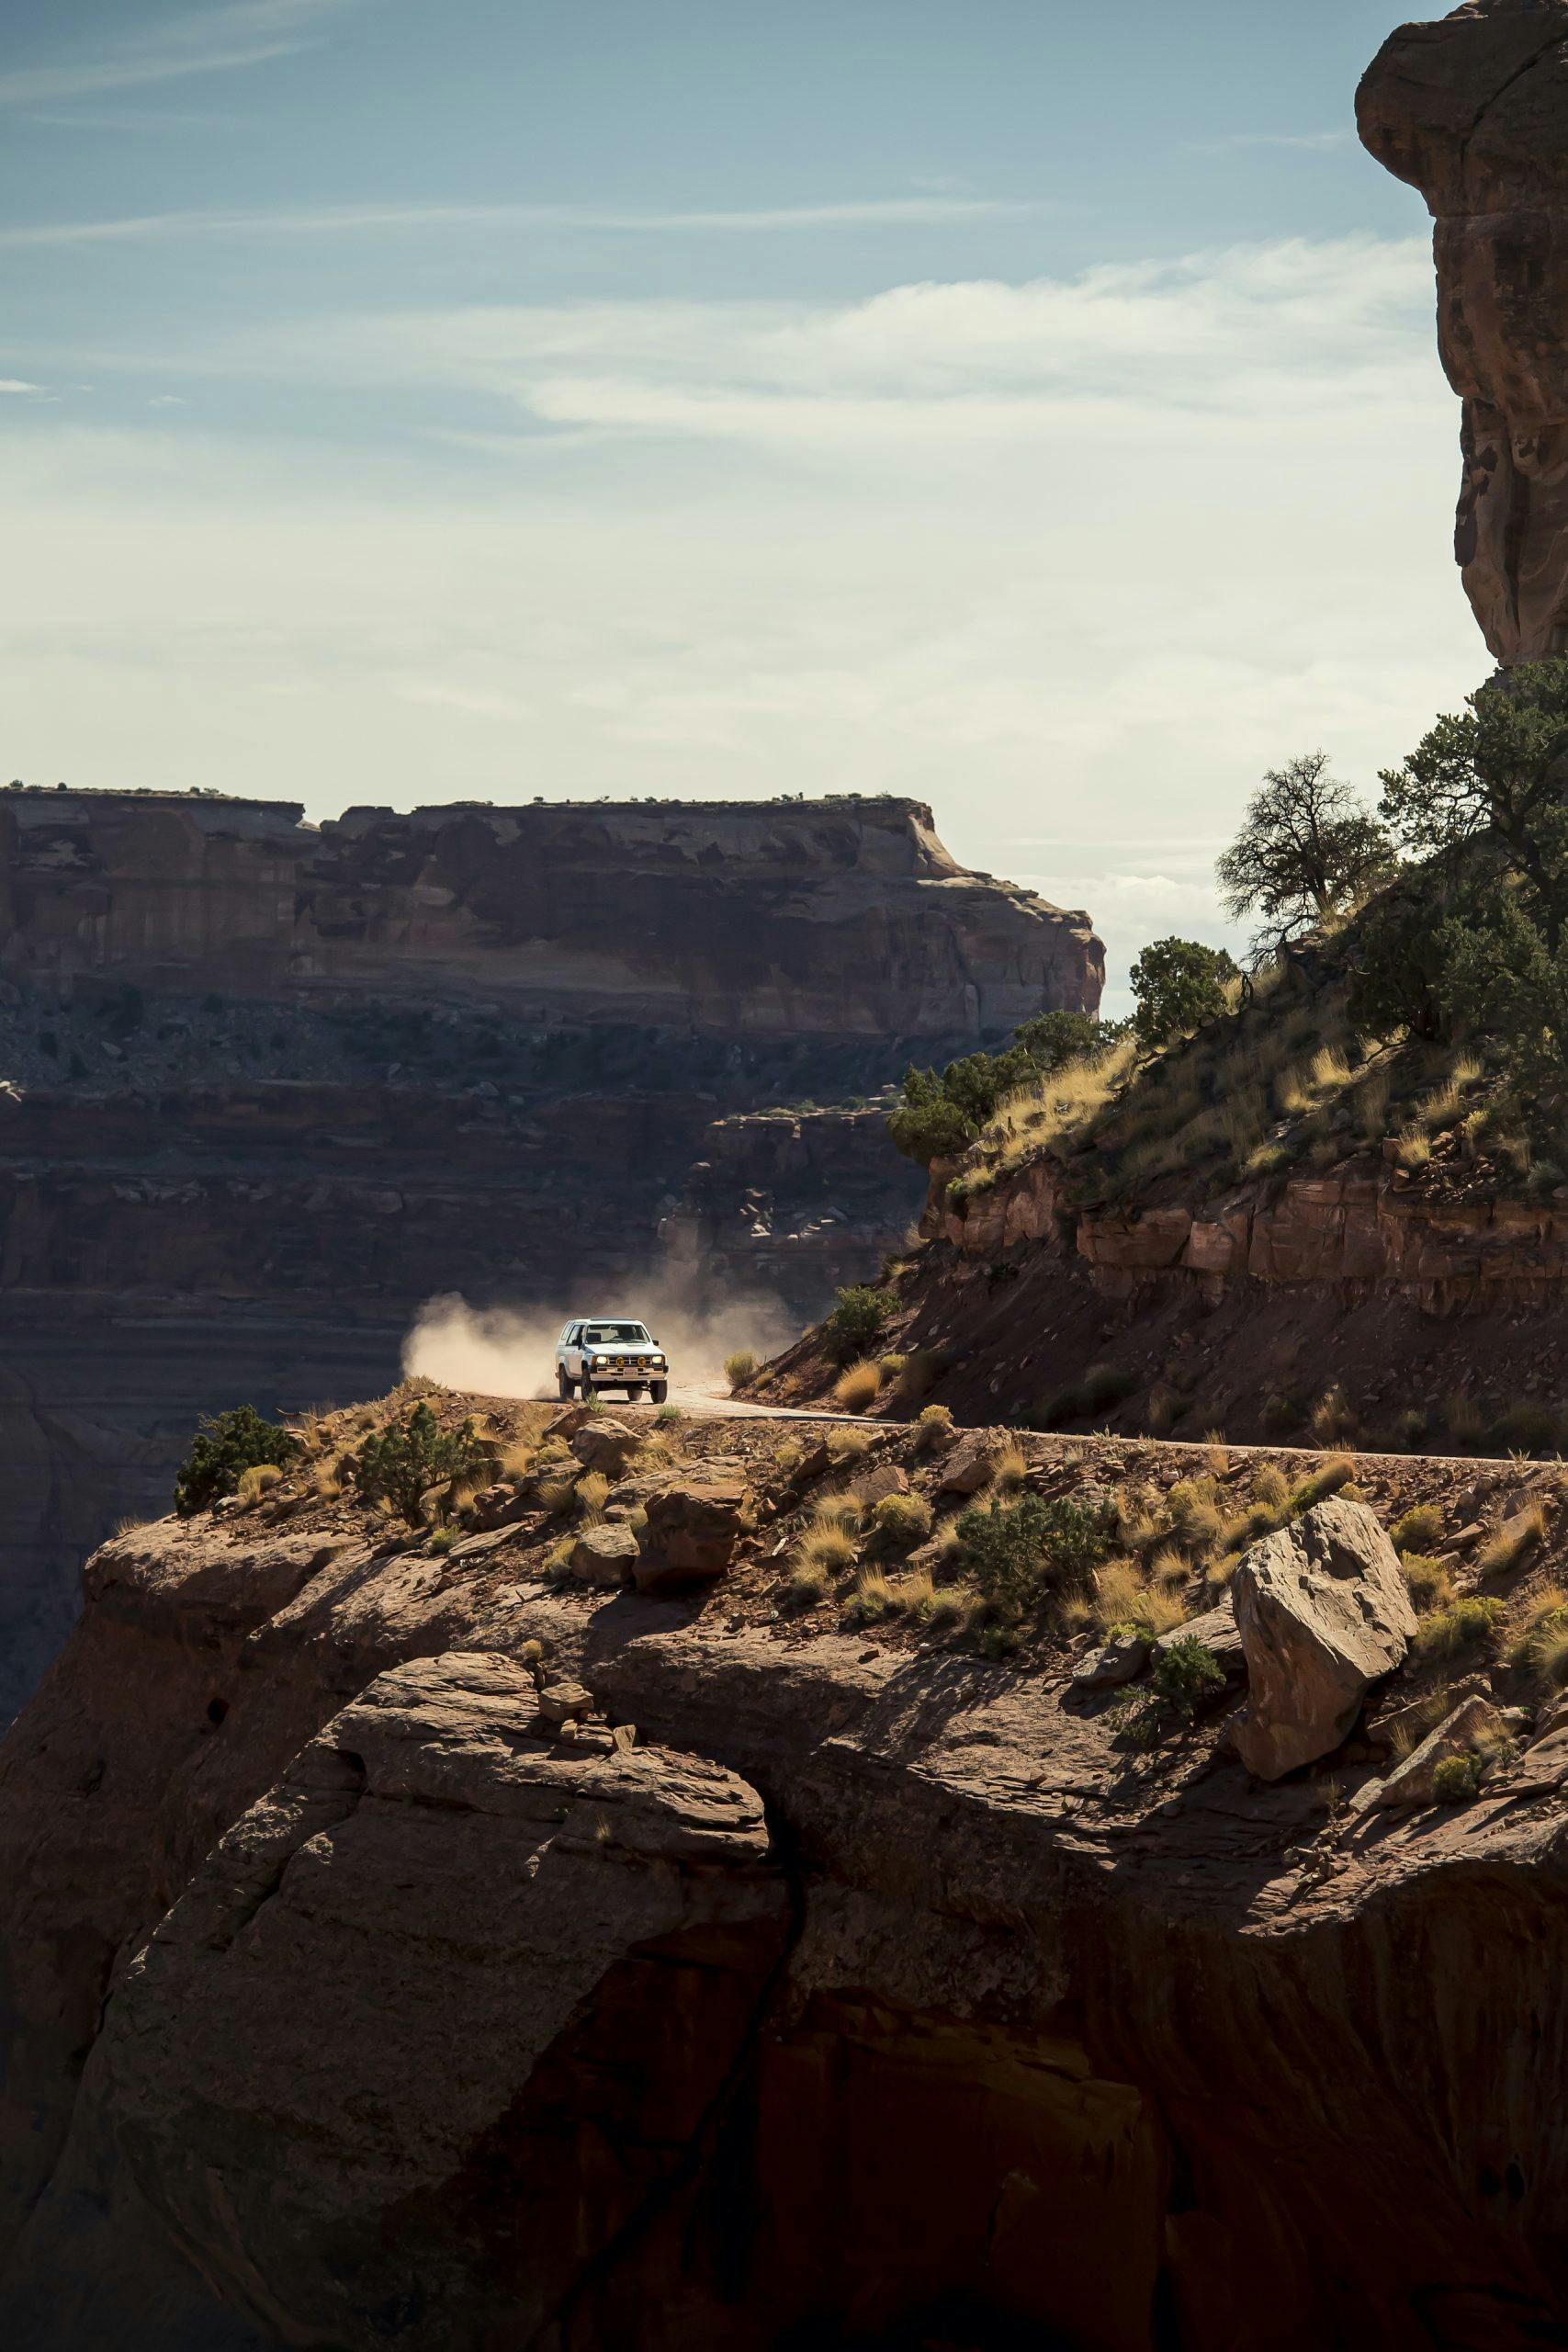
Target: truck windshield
615, 1335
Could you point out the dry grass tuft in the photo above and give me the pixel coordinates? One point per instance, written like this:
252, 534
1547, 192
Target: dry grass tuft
740, 1367
859, 1386
1513, 1540
847, 1445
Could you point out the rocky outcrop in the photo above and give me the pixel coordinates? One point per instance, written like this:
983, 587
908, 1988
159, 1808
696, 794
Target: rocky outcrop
272, 1086
1364, 1225
1474, 111
875, 1998
1324, 1613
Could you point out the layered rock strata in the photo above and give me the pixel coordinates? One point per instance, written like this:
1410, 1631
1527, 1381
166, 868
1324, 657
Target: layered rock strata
270, 1087
1474, 111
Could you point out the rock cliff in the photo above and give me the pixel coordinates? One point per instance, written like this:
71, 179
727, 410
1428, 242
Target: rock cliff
872, 1996
1474, 111
272, 1086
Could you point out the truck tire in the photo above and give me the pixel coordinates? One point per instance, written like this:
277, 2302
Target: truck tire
566, 1386
659, 1390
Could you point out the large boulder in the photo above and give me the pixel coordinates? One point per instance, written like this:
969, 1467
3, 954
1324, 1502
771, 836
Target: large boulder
604, 1445
1324, 1613
691, 1534
604, 1556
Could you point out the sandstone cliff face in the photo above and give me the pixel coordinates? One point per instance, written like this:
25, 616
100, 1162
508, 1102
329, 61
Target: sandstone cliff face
872, 1999
1474, 111
833, 919
271, 1088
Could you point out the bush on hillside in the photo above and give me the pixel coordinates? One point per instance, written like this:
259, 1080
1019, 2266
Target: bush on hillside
223, 1450
1178, 986
400, 1464
1014, 1551
858, 1319
943, 1113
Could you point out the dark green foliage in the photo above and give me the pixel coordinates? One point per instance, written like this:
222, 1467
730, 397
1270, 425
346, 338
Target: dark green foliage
1014, 1551
858, 1321
1475, 941
942, 1112
1180, 986
223, 1450
1187, 1675
1053, 1039
940, 1115
400, 1464
1307, 848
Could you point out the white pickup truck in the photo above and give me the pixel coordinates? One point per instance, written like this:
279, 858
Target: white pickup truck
608, 1352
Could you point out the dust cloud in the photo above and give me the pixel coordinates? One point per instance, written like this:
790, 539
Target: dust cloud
510, 1351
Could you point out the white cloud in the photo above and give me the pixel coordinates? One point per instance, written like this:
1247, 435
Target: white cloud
204, 40
387, 220
17, 384
1231, 342
1074, 560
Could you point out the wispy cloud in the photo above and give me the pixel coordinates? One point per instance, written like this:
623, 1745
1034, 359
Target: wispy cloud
1312, 143
207, 40
15, 384
357, 219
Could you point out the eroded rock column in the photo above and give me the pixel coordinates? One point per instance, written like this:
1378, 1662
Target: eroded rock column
1474, 111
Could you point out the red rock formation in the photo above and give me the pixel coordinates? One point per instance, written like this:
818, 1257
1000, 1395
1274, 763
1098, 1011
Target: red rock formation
835, 918
1474, 111
344, 2010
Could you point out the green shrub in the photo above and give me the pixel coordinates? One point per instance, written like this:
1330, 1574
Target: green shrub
1188, 1673
401, 1465
1457, 1780
223, 1450
1421, 1527
1178, 986
858, 1321
1014, 1550
1460, 1626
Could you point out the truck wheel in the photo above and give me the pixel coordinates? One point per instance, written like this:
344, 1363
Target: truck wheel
659, 1390
565, 1387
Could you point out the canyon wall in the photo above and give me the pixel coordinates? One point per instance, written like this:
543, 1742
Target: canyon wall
264, 1088
1474, 111
870, 1996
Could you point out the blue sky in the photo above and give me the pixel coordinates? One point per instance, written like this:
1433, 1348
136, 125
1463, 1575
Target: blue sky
1028, 406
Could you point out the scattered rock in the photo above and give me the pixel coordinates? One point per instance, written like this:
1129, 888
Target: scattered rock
604, 1556
1324, 1613
1397, 1719
1466, 1727
498, 1506
1113, 1663
690, 1535
971, 1464
604, 1445
560, 1703
878, 1483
